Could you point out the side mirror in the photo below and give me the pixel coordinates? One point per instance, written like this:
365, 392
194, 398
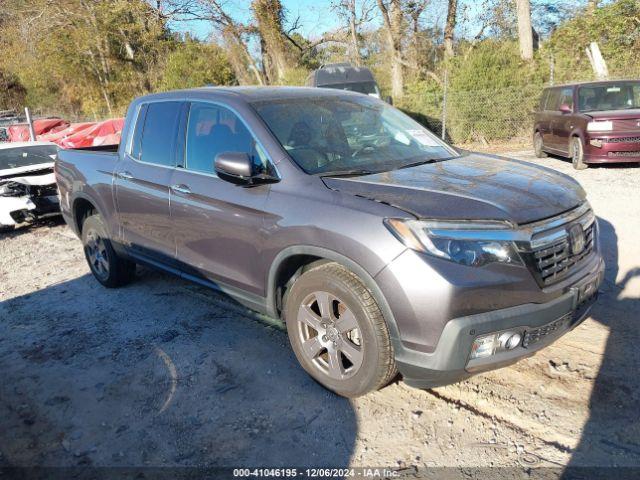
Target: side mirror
389, 100
564, 108
238, 168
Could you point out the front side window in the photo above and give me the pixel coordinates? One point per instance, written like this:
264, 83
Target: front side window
553, 100
213, 129
543, 99
333, 135
157, 137
610, 96
566, 97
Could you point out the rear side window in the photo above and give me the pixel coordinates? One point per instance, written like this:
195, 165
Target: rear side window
213, 129
158, 134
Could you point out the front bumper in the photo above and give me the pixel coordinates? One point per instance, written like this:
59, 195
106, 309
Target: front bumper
612, 148
545, 323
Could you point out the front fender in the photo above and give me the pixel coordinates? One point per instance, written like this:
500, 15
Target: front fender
343, 260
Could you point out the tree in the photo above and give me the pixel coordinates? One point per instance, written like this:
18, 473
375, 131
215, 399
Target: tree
525, 30
354, 17
278, 55
196, 64
393, 26
449, 28
235, 35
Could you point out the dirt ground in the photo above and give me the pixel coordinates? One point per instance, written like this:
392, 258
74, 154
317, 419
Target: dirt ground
165, 373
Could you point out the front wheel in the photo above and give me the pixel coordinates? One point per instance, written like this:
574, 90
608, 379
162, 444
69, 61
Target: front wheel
108, 268
338, 332
577, 154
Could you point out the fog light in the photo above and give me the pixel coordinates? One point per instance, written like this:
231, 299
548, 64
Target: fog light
509, 340
483, 346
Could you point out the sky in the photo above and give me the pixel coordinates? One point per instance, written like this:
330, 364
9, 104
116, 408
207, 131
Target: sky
316, 17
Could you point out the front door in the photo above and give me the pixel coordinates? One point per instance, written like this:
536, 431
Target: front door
142, 182
218, 225
563, 123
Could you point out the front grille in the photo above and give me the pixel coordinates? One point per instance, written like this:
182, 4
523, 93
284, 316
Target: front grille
626, 124
624, 154
621, 140
551, 261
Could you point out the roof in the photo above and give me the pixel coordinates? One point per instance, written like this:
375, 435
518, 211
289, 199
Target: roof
339, 73
593, 82
252, 94
8, 145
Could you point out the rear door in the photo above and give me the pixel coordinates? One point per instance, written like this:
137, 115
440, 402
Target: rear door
142, 182
218, 226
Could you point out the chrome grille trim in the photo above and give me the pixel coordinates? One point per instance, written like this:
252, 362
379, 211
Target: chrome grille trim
548, 254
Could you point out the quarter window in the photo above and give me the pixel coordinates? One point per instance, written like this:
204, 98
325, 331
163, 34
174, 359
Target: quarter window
213, 129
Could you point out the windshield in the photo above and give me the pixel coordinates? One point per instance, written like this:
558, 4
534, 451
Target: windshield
26, 156
611, 96
368, 88
333, 135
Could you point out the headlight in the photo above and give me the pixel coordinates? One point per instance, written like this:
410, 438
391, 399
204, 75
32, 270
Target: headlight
600, 126
456, 242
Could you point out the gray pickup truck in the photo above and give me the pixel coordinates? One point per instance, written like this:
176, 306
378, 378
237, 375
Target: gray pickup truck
381, 247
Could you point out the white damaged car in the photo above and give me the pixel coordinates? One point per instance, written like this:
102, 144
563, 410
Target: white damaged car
28, 190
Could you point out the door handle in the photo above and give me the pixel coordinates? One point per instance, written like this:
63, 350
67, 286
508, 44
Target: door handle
181, 189
125, 175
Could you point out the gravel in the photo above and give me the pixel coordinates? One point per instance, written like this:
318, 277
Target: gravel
166, 373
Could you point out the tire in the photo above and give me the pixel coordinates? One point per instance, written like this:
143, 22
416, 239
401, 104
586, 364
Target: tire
338, 332
576, 151
538, 145
107, 267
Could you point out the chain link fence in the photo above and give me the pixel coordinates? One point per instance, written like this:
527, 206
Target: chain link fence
485, 117
480, 116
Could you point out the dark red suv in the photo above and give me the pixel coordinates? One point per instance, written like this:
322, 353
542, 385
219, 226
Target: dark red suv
595, 122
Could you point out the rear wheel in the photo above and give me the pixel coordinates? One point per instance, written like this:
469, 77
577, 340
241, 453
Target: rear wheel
538, 145
577, 154
108, 268
337, 331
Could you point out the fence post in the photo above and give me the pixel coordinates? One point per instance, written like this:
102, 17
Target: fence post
32, 132
444, 105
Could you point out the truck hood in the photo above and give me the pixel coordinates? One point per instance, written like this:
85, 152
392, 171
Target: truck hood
470, 187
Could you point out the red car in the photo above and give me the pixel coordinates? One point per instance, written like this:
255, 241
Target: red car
595, 122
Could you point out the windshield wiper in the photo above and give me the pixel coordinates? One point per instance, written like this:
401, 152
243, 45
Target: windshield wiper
345, 173
415, 164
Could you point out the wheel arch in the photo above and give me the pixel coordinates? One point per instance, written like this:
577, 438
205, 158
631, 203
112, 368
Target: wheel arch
82, 208
291, 263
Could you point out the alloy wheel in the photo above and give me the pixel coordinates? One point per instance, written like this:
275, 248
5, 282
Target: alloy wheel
97, 254
330, 337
